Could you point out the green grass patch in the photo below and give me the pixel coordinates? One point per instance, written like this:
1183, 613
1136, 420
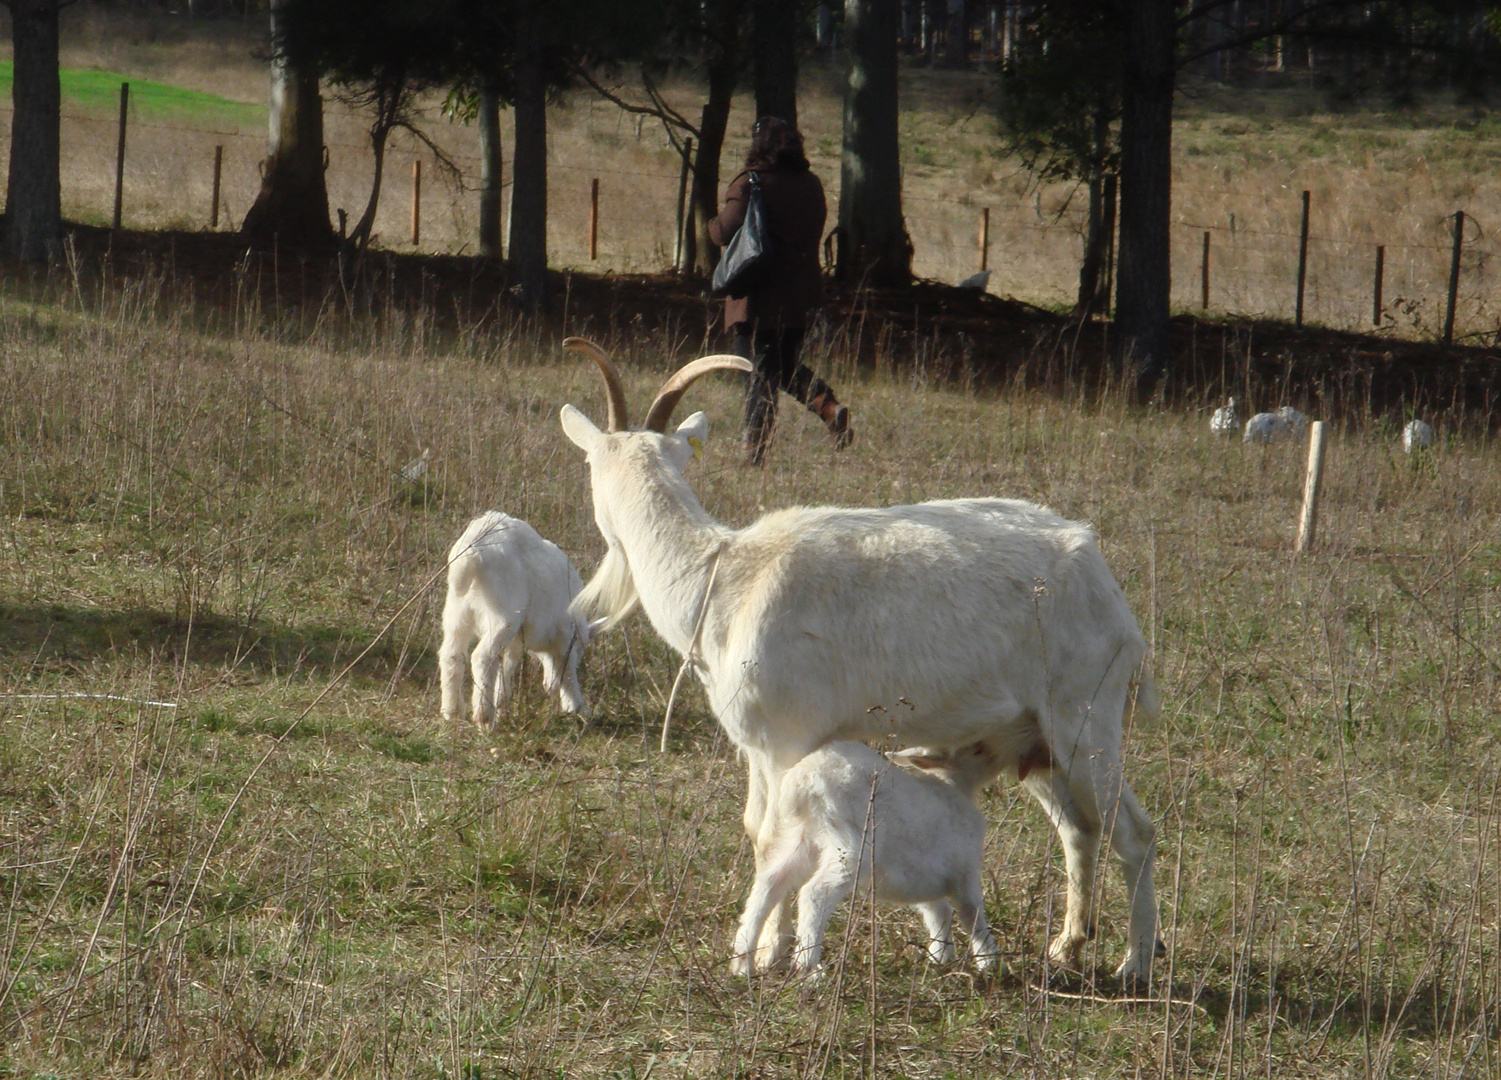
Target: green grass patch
93, 90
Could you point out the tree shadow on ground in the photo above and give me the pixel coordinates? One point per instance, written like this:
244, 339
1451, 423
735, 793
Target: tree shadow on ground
1300, 999
63, 638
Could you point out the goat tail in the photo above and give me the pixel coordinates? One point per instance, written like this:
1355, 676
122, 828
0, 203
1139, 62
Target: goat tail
610, 594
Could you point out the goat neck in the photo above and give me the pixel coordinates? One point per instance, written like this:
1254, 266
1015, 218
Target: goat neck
670, 542
661, 540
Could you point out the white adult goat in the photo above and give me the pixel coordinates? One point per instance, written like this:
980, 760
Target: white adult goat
510, 590
847, 818
945, 623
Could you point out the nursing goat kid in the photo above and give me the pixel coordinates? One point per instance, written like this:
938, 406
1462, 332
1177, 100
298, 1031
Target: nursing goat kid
941, 624
509, 592
847, 818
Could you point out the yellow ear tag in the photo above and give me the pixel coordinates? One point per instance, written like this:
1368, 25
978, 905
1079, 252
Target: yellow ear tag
698, 447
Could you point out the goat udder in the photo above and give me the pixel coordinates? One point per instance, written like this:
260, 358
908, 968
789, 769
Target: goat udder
1037, 757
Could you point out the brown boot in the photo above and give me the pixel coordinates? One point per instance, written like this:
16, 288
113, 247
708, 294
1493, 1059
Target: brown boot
836, 418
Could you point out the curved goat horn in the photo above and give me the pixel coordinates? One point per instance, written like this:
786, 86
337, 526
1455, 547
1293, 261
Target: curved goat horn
616, 418
673, 389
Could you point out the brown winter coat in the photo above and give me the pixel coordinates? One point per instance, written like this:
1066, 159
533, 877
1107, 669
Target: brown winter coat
795, 215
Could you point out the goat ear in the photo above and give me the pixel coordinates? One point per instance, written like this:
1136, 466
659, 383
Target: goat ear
579, 428
695, 427
920, 757
691, 434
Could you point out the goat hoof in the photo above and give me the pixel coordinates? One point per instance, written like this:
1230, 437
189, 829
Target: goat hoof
990, 964
1065, 951
808, 977
1135, 977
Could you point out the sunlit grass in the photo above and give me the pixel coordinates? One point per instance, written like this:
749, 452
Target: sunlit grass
95, 90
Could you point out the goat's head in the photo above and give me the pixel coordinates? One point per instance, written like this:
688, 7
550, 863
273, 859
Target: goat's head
627, 465
968, 768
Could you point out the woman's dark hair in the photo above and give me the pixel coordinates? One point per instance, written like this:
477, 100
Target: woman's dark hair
776, 144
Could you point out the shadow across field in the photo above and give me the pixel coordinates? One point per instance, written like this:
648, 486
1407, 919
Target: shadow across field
60, 637
1314, 1002
928, 330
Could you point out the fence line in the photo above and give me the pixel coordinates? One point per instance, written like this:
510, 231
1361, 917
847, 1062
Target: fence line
972, 231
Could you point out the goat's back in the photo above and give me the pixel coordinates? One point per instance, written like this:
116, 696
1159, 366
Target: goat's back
933, 622
506, 564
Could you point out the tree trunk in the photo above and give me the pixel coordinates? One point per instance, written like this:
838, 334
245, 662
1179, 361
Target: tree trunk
379, 133
292, 207
490, 154
874, 246
700, 253
774, 51
1095, 243
1100, 224
33, 202
1143, 288
529, 160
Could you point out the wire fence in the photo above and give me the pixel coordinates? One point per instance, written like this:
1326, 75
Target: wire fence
614, 193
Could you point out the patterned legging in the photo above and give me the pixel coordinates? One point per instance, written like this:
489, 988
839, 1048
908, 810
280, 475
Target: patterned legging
774, 351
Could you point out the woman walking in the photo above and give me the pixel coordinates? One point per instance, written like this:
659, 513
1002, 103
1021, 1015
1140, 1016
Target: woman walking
768, 323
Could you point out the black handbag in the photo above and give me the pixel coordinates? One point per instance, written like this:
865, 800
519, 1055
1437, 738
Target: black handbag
748, 254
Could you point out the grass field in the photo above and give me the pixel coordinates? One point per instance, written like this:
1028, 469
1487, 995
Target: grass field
239, 841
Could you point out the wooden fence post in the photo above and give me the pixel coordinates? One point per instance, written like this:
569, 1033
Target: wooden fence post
1204, 283
1309, 521
120, 153
984, 238
594, 218
416, 200
1380, 276
213, 217
677, 251
1459, 237
1302, 260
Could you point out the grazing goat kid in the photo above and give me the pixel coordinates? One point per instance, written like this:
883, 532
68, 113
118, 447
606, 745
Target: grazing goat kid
847, 819
509, 589
945, 623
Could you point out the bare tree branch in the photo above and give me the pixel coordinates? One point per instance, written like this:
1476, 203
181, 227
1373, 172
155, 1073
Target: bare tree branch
673, 122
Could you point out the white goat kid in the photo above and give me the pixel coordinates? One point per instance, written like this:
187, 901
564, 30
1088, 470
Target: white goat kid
847, 819
509, 590
945, 623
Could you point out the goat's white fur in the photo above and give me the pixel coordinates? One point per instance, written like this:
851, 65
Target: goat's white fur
945, 623
509, 592
847, 819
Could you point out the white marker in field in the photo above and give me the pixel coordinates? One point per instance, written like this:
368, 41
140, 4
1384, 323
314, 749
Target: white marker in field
1311, 486
1417, 435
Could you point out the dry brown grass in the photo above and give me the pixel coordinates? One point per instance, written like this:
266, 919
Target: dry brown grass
300, 870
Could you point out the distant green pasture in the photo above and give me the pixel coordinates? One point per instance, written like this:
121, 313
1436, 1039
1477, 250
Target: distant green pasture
95, 90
